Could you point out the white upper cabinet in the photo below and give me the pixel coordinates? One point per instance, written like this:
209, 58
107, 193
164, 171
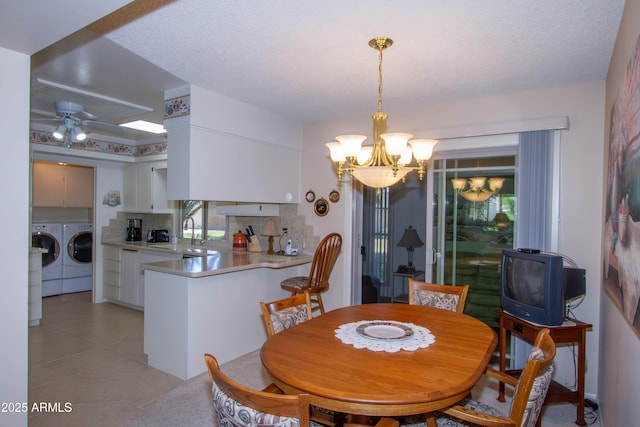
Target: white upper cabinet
145, 187
64, 186
227, 150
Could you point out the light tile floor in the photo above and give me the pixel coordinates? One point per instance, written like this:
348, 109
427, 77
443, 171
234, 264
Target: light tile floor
91, 356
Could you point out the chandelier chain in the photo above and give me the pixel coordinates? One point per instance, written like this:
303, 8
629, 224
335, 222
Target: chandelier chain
380, 48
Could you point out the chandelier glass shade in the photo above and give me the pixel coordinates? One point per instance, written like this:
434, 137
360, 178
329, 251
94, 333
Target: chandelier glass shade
475, 189
391, 156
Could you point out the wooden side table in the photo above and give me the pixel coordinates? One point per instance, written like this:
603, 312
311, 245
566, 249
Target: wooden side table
404, 276
572, 331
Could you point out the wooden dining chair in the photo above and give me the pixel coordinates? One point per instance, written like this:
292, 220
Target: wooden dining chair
317, 281
282, 314
447, 297
530, 391
239, 405
286, 312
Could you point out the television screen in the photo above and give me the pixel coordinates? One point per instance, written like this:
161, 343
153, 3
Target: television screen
525, 281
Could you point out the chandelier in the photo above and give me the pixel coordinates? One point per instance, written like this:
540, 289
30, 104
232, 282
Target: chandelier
475, 190
389, 159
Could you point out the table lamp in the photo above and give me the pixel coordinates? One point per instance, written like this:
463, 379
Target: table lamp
502, 220
409, 240
270, 229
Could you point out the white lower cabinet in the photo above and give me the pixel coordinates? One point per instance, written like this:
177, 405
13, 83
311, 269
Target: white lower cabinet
130, 276
111, 272
35, 288
145, 257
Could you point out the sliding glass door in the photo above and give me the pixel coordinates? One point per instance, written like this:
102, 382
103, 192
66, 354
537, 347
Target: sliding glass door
472, 220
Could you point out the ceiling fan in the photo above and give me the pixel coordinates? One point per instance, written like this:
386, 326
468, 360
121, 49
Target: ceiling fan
74, 118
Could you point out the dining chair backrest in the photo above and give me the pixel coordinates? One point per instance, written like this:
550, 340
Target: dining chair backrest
324, 259
284, 313
446, 297
534, 382
530, 391
239, 405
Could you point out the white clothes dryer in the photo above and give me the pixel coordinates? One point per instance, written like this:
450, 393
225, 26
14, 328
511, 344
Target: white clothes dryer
49, 236
77, 262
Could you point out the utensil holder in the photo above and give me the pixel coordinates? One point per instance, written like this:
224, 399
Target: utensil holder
254, 246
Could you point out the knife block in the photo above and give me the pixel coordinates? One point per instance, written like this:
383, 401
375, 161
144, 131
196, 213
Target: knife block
254, 246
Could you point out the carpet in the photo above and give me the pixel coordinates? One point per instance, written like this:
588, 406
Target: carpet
190, 403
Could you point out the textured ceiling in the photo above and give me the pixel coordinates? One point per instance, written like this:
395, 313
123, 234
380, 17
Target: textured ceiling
310, 59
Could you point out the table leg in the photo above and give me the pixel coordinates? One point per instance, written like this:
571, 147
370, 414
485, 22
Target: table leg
431, 420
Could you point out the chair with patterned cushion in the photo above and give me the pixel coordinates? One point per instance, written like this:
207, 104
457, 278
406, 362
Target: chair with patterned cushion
286, 312
447, 297
317, 281
530, 391
239, 405
282, 314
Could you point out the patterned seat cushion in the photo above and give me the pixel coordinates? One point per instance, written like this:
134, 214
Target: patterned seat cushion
288, 317
441, 300
299, 283
443, 420
231, 413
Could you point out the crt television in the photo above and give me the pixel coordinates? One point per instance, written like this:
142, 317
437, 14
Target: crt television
536, 287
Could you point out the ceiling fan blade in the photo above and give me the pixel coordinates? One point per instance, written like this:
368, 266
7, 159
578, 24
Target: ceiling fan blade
102, 125
43, 120
44, 113
83, 115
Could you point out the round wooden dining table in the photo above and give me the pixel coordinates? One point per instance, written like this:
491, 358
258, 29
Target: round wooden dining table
309, 358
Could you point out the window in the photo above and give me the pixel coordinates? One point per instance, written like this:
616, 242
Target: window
207, 224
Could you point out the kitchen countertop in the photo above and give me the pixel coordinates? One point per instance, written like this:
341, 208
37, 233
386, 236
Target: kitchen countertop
204, 262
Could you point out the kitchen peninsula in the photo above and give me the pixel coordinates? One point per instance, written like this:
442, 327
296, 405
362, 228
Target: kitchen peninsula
210, 304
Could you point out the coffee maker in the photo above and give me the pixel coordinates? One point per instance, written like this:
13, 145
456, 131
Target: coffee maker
134, 231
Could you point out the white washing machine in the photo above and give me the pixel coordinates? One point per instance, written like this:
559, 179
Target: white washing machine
49, 236
77, 260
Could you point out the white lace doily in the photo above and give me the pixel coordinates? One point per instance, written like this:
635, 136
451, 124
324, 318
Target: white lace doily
421, 337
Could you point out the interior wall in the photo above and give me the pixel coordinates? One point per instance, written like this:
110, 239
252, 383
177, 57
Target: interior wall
581, 148
15, 176
619, 344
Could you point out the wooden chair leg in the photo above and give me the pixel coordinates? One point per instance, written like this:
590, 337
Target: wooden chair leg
431, 421
320, 304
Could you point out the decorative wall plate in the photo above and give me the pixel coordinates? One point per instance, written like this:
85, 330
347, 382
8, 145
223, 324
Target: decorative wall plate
310, 196
334, 196
321, 207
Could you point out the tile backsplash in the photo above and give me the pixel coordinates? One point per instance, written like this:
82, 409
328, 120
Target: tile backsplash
301, 235
298, 231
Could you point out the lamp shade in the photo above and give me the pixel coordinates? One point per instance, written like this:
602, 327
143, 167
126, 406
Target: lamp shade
335, 150
60, 131
380, 176
410, 239
270, 228
502, 220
